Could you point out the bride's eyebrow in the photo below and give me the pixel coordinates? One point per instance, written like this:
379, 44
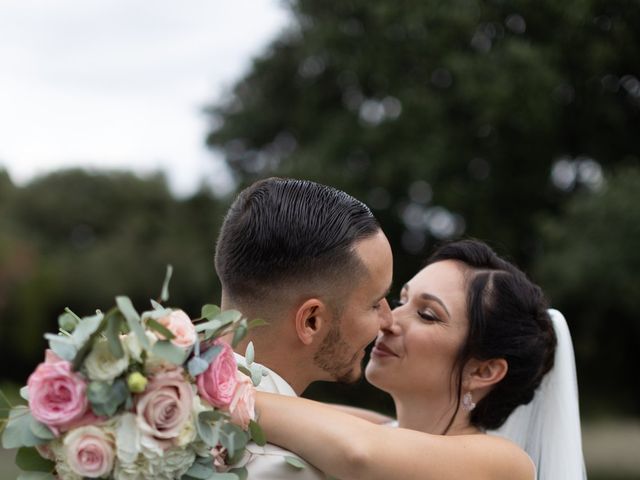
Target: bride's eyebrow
428, 296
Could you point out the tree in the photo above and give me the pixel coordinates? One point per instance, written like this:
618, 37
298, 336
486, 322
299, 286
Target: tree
446, 117
467, 117
77, 239
589, 266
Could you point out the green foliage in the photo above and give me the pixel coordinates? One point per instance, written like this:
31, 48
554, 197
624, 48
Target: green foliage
461, 105
78, 239
449, 119
589, 266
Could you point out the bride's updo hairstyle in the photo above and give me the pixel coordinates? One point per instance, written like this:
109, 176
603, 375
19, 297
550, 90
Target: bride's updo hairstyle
507, 319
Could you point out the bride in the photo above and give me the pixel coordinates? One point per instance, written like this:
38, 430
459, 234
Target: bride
471, 345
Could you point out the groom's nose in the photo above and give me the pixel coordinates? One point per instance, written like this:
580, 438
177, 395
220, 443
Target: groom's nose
384, 316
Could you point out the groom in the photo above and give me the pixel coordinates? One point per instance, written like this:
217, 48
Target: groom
313, 262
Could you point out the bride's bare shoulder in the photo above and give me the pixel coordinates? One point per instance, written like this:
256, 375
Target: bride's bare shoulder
502, 458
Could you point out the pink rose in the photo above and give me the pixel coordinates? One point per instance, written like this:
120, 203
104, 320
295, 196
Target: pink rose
89, 451
165, 406
181, 326
217, 384
243, 405
57, 395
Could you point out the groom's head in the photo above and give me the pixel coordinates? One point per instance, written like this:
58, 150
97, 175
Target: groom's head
311, 260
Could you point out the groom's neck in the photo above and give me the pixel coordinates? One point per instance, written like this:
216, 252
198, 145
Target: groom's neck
281, 358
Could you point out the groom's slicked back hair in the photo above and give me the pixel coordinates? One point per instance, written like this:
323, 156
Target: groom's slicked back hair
285, 234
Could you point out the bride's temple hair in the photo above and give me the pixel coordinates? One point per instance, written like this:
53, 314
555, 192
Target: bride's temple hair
508, 319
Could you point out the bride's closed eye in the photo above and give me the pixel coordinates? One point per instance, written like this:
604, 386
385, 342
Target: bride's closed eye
429, 315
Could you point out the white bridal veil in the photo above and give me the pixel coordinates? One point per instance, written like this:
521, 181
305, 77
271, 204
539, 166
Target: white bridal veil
548, 428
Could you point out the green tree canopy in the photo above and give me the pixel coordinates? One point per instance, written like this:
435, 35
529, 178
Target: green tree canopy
589, 266
77, 239
446, 117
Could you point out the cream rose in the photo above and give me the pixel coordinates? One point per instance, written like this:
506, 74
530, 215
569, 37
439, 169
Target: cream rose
165, 407
102, 366
179, 323
243, 405
89, 451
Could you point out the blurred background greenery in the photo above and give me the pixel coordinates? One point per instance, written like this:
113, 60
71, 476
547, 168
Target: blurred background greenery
513, 122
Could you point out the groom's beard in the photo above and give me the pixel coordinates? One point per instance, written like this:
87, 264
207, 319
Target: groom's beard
335, 357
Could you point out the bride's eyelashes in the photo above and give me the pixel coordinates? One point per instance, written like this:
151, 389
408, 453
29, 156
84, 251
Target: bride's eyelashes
428, 315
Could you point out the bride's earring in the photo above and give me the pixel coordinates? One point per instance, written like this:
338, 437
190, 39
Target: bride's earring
467, 402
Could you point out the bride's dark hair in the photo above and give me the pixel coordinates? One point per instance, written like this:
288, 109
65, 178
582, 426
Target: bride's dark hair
508, 319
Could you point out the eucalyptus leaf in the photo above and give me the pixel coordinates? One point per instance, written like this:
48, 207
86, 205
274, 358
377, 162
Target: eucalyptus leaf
233, 438
210, 311
24, 393
196, 366
85, 334
62, 346
70, 312
156, 305
249, 354
209, 433
17, 432
85, 329
67, 322
227, 441
245, 370
112, 333
133, 320
295, 462
224, 476
36, 476
161, 329
257, 322
211, 325
105, 399
257, 435
229, 316
257, 372
239, 334
40, 430
197, 470
164, 294
30, 460
241, 472
211, 353
169, 352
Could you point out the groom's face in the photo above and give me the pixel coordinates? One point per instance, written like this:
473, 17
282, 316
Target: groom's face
342, 349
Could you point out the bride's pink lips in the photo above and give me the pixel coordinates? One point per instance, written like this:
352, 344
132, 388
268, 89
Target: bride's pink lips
382, 350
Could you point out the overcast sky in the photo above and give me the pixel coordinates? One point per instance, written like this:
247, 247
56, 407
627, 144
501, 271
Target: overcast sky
122, 83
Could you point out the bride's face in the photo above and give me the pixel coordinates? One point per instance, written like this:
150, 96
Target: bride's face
417, 352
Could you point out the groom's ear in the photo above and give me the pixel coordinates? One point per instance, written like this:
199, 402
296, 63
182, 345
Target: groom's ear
309, 320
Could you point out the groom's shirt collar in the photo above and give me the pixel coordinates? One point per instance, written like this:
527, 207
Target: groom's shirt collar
271, 382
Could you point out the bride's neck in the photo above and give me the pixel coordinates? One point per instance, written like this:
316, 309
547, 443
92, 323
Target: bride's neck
432, 417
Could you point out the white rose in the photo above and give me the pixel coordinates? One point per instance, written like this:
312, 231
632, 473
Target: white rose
101, 365
132, 345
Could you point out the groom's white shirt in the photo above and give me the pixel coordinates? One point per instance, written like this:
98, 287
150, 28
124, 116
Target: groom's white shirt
268, 463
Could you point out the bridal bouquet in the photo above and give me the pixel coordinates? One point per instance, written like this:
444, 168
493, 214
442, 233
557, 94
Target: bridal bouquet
125, 396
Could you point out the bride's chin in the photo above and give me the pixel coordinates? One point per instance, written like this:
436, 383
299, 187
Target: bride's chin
375, 374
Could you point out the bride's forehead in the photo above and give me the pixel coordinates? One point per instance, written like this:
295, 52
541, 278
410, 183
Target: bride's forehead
447, 274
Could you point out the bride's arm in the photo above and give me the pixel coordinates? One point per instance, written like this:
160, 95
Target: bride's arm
368, 415
349, 447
